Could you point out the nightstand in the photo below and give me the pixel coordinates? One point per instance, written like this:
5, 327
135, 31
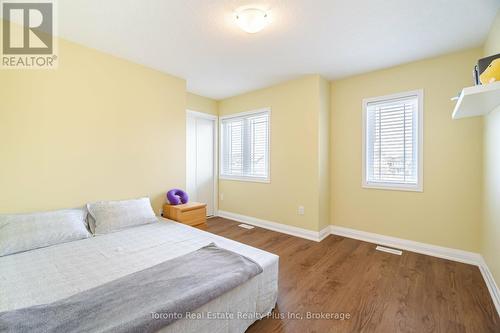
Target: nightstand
193, 214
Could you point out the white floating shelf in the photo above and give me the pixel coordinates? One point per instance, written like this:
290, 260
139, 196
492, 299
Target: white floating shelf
477, 101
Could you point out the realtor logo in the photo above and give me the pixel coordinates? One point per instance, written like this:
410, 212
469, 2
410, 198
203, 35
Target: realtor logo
28, 34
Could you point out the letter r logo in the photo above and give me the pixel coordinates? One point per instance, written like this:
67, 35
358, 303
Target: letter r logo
27, 28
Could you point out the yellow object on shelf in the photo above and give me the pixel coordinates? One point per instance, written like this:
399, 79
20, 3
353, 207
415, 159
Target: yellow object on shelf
491, 73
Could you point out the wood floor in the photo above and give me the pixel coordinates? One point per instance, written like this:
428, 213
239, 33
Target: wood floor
381, 292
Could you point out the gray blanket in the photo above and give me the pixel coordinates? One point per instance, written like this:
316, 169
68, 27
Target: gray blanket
169, 289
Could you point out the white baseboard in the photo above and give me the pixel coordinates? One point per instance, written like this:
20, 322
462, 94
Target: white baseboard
325, 232
427, 249
316, 236
398, 243
491, 284
404, 244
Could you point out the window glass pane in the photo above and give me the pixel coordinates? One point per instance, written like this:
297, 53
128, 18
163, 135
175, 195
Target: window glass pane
245, 145
235, 153
391, 139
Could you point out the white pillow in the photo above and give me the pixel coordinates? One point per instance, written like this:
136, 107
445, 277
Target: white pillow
109, 216
23, 232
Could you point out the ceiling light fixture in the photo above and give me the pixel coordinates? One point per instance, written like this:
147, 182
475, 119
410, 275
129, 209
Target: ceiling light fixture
252, 20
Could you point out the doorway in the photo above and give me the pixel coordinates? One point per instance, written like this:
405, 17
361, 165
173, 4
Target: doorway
201, 159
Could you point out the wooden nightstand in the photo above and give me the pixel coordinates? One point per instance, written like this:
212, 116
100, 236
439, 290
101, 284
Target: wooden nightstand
193, 214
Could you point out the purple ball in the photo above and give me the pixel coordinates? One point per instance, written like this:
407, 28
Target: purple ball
177, 196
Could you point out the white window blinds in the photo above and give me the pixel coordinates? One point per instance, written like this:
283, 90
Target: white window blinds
392, 142
245, 146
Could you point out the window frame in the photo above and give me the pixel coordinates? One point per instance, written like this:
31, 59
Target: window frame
245, 178
419, 186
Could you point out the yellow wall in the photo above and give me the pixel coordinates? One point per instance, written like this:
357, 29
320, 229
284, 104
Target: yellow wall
448, 212
294, 155
98, 127
490, 245
201, 104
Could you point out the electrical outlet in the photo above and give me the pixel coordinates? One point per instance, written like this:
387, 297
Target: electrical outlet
221, 196
300, 211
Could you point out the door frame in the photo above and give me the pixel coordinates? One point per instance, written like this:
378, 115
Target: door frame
215, 119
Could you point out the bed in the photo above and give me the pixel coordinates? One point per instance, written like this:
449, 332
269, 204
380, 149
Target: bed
52, 273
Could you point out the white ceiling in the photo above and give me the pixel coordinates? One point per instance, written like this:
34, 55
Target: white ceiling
198, 40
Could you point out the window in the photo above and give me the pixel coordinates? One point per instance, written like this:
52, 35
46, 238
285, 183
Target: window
392, 142
245, 146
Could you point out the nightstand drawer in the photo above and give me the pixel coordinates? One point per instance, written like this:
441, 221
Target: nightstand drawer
190, 216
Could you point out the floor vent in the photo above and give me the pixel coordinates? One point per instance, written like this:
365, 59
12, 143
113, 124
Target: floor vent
246, 226
389, 250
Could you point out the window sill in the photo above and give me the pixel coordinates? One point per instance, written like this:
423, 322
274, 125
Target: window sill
246, 179
394, 187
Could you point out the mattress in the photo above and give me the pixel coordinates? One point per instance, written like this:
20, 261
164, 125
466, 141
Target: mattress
52, 273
